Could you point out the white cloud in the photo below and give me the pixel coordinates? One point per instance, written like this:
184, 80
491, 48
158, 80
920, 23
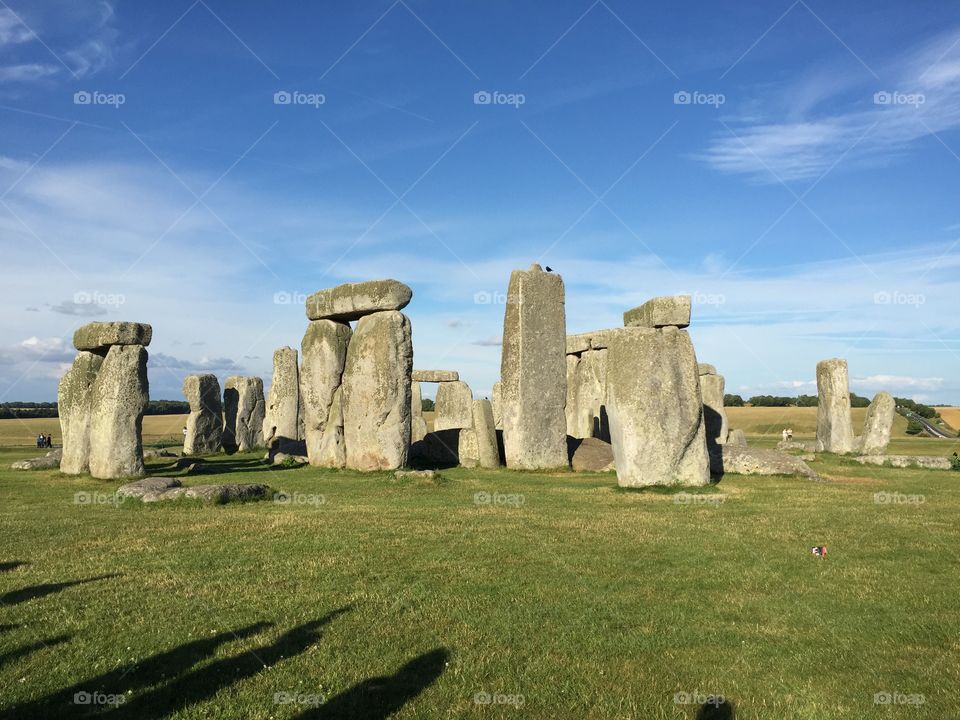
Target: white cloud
27, 72
12, 30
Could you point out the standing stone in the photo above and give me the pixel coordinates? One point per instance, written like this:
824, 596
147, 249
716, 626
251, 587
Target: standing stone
351, 301
655, 409
281, 424
533, 371
468, 448
488, 455
495, 400
74, 397
418, 425
453, 407
586, 395
243, 410
324, 354
737, 437
376, 392
834, 424
712, 388
118, 399
205, 421
878, 424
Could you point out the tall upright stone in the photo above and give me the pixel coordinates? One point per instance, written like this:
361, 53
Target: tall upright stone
323, 356
586, 395
488, 454
74, 405
495, 400
376, 392
878, 424
655, 408
453, 408
712, 387
418, 425
119, 398
834, 422
533, 371
282, 422
205, 421
243, 410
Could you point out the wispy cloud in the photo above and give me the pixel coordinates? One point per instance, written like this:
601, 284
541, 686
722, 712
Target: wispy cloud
12, 30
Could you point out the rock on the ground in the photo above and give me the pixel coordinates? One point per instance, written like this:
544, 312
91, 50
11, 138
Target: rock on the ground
118, 400
282, 421
834, 424
352, 301
797, 445
593, 455
103, 335
74, 398
323, 356
658, 312
149, 485
928, 462
48, 461
741, 460
435, 376
878, 424
205, 421
453, 408
416, 475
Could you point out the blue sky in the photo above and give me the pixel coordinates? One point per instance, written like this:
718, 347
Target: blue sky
794, 166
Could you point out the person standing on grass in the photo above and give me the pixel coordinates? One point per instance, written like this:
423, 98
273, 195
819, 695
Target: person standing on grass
40, 440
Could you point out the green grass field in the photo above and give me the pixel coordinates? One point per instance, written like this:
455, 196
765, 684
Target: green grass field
555, 596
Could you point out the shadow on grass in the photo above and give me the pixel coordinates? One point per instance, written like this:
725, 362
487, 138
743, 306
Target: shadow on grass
380, 697
37, 591
21, 652
6, 627
715, 711
13, 565
204, 466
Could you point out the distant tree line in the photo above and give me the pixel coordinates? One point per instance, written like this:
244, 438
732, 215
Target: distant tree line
924, 411
33, 410
427, 404
857, 401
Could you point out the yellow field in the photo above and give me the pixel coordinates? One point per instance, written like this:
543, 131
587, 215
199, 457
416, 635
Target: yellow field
951, 415
156, 428
803, 420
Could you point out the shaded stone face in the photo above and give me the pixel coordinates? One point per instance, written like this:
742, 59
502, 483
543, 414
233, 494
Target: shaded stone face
205, 421
453, 408
324, 354
666, 311
352, 301
878, 424
586, 395
282, 424
706, 369
712, 389
436, 376
495, 400
118, 399
488, 454
74, 398
533, 383
102, 335
376, 392
418, 425
243, 409
655, 409
834, 423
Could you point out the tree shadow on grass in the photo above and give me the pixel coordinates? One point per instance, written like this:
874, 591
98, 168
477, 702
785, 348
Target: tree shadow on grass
7, 627
9, 657
15, 597
12, 565
380, 697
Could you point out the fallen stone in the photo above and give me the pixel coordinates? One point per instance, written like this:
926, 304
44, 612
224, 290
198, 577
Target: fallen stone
118, 400
205, 421
282, 458
154, 453
435, 376
324, 355
927, 462
878, 424
533, 371
218, 494
797, 445
834, 424
593, 455
74, 404
103, 335
453, 408
668, 310
488, 454
741, 460
352, 301
244, 409
416, 475
139, 488
282, 422
48, 461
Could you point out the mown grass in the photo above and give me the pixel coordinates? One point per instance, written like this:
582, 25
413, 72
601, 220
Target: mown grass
587, 601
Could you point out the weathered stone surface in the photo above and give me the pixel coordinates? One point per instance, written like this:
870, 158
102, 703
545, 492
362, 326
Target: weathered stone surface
593, 455
418, 425
205, 421
488, 455
930, 462
376, 392
218, 494
797, 445
737, 437
153, 453
102, 335
577, 344
323, 356
741, 460
834, 424
244, 409
878, 424
668, 310
282, 423
74, 398
282, 458
352, 301
139, 488
416, 475
595, 340
495, 400
655, 409
453, 407
586, 395
118, 399
706, 369
468, 448
48, 461
533, 371
436, 376
711, 390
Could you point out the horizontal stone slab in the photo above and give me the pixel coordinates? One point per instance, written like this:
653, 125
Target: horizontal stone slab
351, 301
929, 462
100, 335
706, 369
664, 311
435, 376
596, 340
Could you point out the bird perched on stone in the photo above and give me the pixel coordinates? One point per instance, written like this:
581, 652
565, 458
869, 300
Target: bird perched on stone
549, 269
